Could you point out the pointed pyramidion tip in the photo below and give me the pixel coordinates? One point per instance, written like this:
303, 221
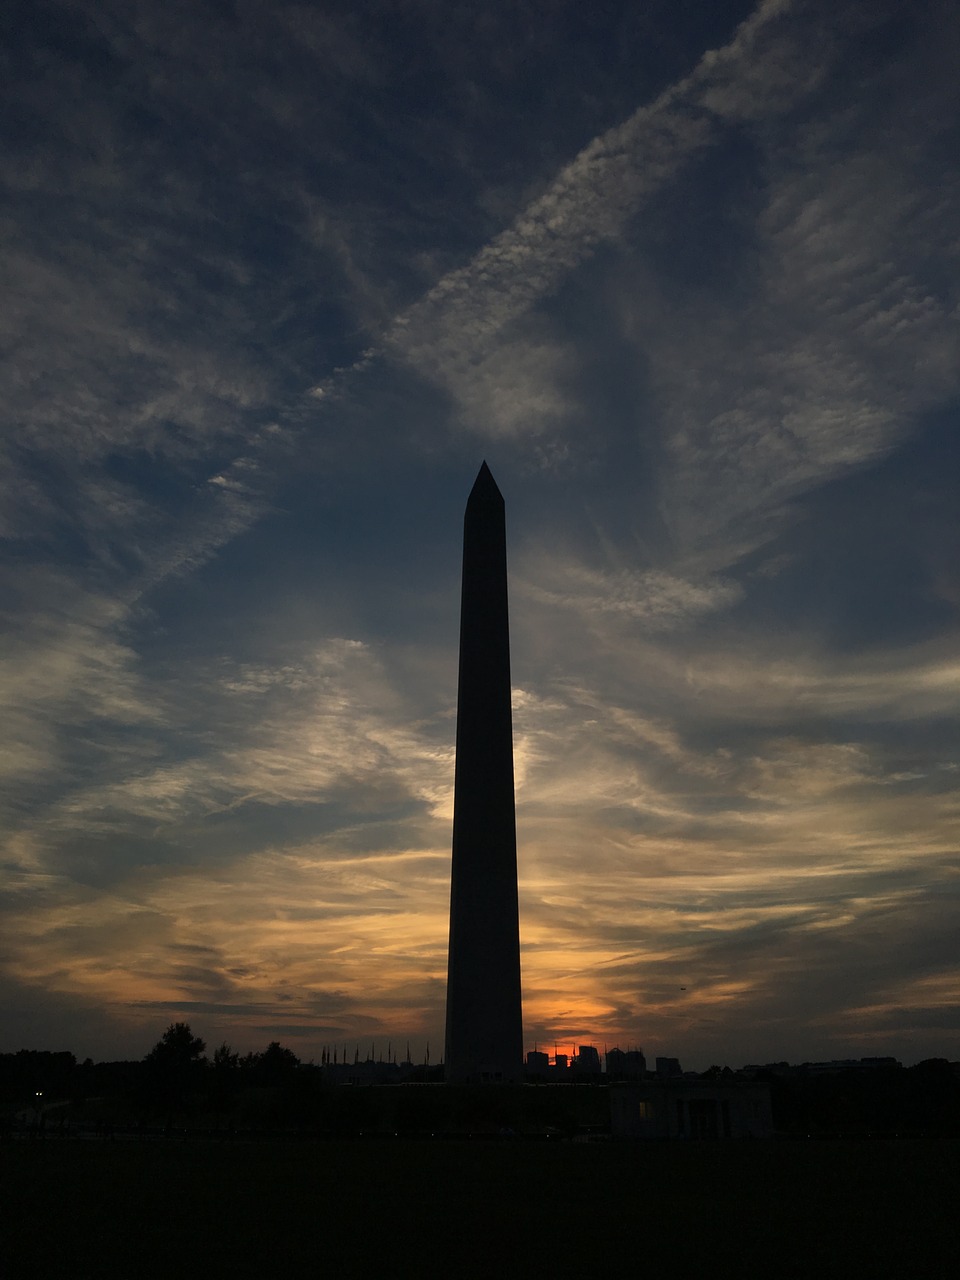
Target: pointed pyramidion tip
485, 487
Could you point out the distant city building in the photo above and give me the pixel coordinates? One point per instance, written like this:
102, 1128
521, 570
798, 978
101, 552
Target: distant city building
538, 1065
586, 1062
836, 1066
668, 1067
671, 1107
625, 1065
840, 1065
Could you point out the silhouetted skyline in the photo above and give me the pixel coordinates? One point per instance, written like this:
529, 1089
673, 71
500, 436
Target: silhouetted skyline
277, 277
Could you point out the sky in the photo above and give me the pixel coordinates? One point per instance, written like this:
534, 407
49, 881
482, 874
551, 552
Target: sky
278, 277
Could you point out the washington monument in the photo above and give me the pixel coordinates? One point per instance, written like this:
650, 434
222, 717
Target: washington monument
484, 1039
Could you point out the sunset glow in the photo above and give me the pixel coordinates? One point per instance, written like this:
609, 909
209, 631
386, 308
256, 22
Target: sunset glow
279, 281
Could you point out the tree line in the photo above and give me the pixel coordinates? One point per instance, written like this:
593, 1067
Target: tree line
178, 1084
176, 1073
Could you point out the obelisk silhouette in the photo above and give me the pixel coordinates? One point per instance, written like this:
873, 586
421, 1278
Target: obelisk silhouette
484, 1023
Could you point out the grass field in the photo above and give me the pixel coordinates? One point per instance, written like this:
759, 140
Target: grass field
404, 1208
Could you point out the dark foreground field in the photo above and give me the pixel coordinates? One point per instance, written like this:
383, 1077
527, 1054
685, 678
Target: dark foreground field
405, 1208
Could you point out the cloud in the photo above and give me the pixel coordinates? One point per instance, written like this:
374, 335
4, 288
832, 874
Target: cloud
468, 313
899, 686
691, 871
785, 959
849, 333
311, 934
325, 730
65, 670
656, 600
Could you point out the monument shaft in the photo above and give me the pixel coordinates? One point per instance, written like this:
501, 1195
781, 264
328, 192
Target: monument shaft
484, 1034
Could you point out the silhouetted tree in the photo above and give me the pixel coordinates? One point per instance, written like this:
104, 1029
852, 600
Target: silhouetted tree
224, 1078
178, 1046
174, 1066
225, 1060
276, 1064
